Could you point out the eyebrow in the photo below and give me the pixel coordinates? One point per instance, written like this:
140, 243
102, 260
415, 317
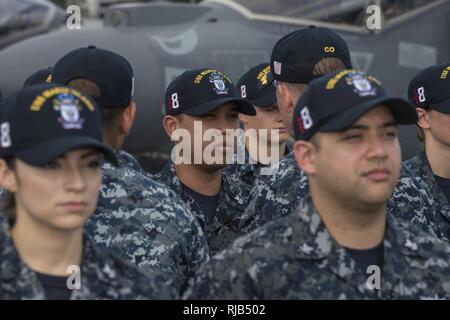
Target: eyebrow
364, 127
91, 153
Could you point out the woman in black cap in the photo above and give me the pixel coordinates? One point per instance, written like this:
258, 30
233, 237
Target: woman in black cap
50, 148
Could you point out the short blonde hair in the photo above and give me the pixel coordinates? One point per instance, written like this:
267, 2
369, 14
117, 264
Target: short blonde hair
324, 66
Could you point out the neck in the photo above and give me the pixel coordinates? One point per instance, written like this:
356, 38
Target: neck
46, 250
114, 141
253, 151
350, 226
204, 182
439, 158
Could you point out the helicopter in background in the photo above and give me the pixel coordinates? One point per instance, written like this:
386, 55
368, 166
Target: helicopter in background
161, 40
21, 19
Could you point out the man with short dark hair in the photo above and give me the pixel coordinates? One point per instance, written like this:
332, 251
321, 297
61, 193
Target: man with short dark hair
339, 243
137, 218
204, 103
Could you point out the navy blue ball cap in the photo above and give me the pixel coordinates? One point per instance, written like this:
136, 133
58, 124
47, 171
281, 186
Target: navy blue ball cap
41, 122
43, 75
295, 55
111, 72
430, 88
336, 101
199, 91
254, 86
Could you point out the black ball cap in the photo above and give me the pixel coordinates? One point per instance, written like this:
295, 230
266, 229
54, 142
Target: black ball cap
295, 55
43, 75
199, 91
336, 101
255, 86
41, 122
430, 88
111, 72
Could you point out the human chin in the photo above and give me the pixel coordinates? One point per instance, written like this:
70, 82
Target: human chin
73, 215
378, 194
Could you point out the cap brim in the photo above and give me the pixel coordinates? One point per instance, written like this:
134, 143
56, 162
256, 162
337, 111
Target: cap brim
244, 107
266, 100
45, 152
402, 111
442, 106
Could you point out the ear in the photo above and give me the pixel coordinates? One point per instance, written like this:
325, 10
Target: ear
128, 116
170, 124
424, 118
8, 179
305, 155
285, 98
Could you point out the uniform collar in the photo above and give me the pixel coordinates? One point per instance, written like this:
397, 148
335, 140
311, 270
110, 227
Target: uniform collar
19, 281
315, 243
232, 200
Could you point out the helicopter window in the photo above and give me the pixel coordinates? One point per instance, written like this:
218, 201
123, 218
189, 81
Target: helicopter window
350, 12
17, 15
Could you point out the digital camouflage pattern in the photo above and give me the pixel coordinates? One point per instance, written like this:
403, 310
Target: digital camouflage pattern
127, 160
224, 227
143, 221
274, 196
422, 202
244, 167
296, 258
102, 276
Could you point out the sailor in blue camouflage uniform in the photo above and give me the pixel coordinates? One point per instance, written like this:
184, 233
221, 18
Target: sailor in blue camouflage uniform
201, 102
264, 139
429, 91
293, 66
51, 143
137, 218
103, 276
339, 243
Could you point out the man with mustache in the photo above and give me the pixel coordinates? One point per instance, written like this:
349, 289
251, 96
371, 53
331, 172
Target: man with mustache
339, 243
256, 152
199, 102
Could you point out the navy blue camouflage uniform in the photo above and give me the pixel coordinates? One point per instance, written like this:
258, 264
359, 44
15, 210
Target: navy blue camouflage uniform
127, 160
276, 195
102, 276
248, 171
295, 257
223, 228
145, 222
432, 213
